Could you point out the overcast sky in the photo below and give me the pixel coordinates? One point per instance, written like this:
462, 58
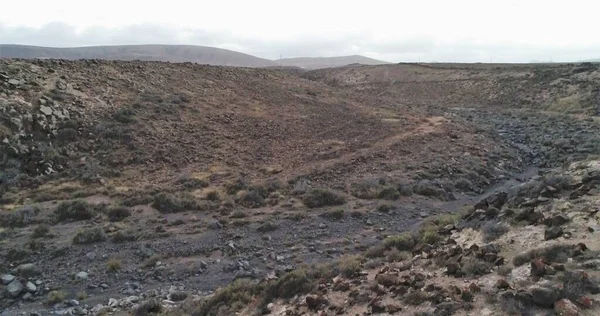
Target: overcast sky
423, 30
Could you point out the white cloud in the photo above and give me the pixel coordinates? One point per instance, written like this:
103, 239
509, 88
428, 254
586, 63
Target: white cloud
426, 30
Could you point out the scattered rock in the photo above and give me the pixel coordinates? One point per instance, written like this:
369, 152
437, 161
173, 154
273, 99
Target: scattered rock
82, 276
7, 278
552, 232
316, 302
565, 307
215, 224
538, 268
27, 270
14, 288
543, 296
31, 287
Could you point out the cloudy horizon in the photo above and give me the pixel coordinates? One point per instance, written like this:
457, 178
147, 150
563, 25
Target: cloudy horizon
461, 31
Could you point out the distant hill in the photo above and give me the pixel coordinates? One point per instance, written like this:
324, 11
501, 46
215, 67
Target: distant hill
328, 62
171, 53
178, 53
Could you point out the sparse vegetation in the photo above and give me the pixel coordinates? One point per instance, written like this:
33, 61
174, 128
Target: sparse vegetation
118, 213
475, 267
349, 266
55, 297
169, 203
89, 236
553, 253
77, 210
402, 242
113, 265
335, 214
315, 198
41, 231
494, 230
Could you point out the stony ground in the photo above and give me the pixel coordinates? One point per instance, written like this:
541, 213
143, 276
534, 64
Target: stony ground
143, 187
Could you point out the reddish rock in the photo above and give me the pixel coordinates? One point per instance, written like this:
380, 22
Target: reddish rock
565, 307
316, 302
538, 267
585, 302
474, 287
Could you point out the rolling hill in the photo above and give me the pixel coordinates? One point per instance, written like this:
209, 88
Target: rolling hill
171, 53
177, 53
328, 62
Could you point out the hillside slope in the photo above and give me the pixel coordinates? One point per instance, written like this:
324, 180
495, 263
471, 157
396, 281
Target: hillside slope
328, 62
171, 53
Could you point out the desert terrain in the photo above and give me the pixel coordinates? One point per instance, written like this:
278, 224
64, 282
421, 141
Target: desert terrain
155, 188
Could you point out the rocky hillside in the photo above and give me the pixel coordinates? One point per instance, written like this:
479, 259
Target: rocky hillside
568, 88
159, 188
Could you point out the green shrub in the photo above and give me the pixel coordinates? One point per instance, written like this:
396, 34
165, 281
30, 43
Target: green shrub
349, 266
335, 214
117, 214
77, 210
402, 242
315, 198
41, 231
89, 236
493, 230
475, 267
251, 199
389, 193
124, 115
168, 203
55, 297
122, 236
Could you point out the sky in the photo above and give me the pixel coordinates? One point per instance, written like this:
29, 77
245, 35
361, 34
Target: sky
395, 31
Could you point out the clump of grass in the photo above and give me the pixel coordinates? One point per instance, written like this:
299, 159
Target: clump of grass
213, 196
493, 230
169, 203
349, 266
250, 198
417, 297
395, 255
238, 214
151, 262
553, 253
335, 214
113, 265
475, 267
55, 297
89, 236
122, 236
318, 197
117, 214
74, 211
402, 242
41, 231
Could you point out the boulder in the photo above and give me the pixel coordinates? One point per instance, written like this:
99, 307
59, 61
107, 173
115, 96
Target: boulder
565, 307
31, 287
81, 276
553, 232
14, 288
7, 278
543, 296
27, 270
538, 268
